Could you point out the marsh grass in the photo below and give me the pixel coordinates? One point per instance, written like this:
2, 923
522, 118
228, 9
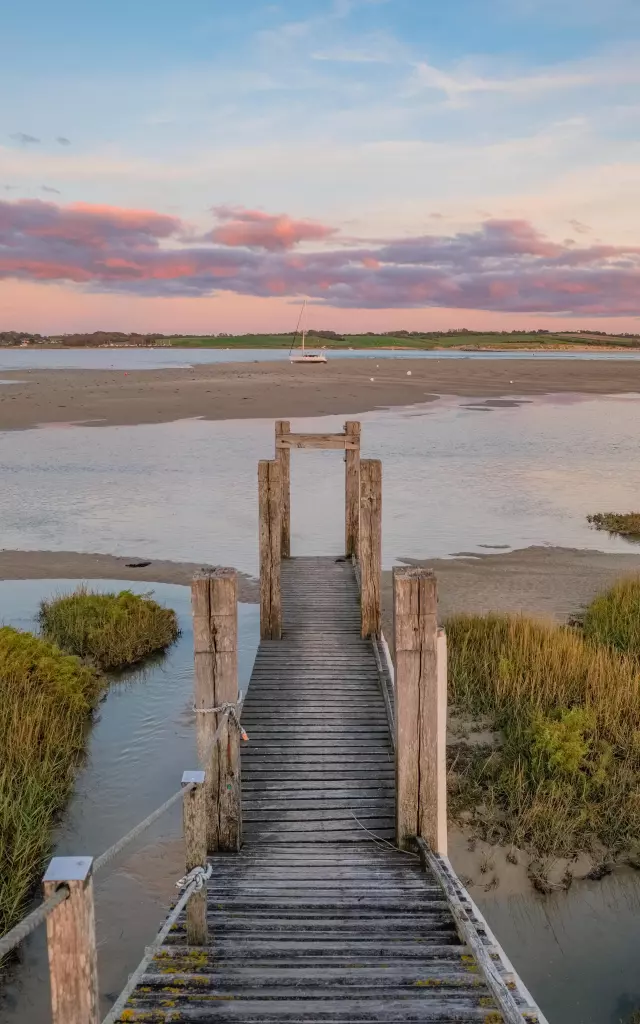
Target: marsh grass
613, 618
46, 698
112, 630
626, 524
566, 775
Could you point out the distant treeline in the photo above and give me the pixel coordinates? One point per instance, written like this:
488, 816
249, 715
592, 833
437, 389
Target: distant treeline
99, 339
102, 339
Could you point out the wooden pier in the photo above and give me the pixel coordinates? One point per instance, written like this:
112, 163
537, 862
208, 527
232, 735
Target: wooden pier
326, 894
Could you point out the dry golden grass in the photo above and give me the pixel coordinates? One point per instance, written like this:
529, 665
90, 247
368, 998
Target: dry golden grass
45, 703
566, 775
113, 630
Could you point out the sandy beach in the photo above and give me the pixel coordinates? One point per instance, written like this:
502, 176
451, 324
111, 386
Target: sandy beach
281, 390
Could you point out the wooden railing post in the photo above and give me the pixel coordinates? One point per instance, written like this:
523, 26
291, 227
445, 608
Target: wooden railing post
270, 510
370, 553
283, 457
421, 710
352, 491
71, 942
214, 599
194, 824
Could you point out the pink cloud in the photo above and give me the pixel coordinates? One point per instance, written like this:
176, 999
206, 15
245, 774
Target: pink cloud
504, 266
273, 232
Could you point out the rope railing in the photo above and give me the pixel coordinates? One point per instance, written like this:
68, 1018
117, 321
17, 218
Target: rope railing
28, 924
11, 939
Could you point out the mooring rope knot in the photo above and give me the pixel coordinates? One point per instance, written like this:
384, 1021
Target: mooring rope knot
227, 707
198, 875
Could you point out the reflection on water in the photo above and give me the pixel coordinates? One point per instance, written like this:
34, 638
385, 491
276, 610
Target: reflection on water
163, 358
141, 743
455, 478
578, 951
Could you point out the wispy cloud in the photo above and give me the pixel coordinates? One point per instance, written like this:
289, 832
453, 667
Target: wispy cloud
50, 188
502, 265
24, 139
62, 140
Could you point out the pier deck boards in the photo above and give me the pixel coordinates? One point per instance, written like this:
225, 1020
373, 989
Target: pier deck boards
313, 920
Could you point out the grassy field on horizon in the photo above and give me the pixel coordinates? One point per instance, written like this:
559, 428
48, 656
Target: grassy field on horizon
383, 341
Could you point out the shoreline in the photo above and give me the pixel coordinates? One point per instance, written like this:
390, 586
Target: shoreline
76, 565
221, 391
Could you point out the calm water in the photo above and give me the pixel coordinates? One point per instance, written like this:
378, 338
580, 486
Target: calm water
142, 741
158, 359
457, 474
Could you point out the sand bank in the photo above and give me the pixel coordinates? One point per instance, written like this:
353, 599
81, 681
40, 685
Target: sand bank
270, 390
75, 565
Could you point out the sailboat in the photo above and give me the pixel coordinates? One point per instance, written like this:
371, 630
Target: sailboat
302, 356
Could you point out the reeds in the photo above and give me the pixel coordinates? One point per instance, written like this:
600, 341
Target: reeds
566, 774
46, 698
627, 524
112, 630
613, 618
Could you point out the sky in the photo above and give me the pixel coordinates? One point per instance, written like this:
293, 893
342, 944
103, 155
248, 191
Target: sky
399, 163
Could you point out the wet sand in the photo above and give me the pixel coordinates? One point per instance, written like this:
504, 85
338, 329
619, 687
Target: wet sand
75, 565
269, 390
544, 582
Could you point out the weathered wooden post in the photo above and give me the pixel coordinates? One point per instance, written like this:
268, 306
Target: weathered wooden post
71, 942
370, 553
352, 490
194, 824
283, 456
421, 710
214, 600
270, 510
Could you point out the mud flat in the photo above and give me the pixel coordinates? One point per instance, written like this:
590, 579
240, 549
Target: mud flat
280, 389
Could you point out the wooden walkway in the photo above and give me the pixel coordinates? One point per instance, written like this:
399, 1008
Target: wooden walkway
314, 920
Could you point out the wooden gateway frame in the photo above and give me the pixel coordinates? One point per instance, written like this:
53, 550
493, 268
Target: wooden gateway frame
349, 441
274, 499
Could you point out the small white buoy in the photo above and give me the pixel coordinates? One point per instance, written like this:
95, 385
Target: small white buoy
511, 382
371, 378
408, 373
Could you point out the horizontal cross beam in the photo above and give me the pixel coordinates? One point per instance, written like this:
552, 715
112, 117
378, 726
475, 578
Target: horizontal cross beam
339, 441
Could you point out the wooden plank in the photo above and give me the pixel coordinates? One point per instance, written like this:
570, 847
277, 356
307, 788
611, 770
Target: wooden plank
71, 942
370, 544
326, 441
283, 457
270, 511
194, 824
352, 491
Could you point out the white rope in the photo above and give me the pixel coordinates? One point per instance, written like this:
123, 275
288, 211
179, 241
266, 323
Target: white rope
32, 921
117, 1008
198, 875
230, 708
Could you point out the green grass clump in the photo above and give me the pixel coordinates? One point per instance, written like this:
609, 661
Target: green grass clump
613, 618
627, 524
113, 630
46, 698
566, 774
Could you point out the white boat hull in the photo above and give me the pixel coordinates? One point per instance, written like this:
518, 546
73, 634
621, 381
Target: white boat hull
309, 357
